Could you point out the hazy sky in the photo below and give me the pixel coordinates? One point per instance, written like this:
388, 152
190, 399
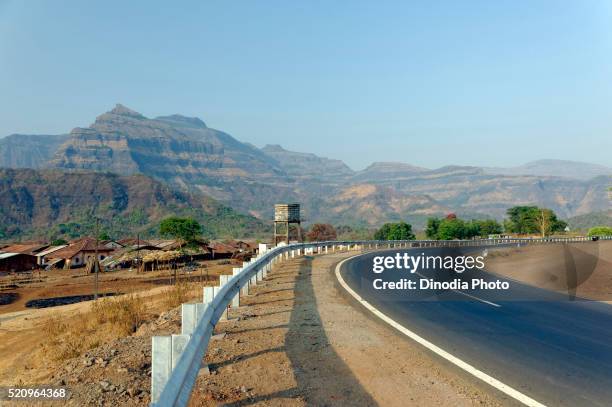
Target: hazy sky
455, 82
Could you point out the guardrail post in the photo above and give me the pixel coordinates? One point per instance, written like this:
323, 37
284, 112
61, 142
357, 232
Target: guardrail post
161, 364
252, 282
179, 342
223, 280
190, 315
236, 299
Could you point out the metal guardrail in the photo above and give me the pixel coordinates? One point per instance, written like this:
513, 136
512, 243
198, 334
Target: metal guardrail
177, 359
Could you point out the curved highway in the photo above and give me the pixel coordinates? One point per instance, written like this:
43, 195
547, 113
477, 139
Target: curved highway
555, 351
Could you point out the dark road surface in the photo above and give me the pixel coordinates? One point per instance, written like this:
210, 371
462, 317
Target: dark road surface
556, 351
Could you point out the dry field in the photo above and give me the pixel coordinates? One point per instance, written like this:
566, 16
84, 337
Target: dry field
35, 341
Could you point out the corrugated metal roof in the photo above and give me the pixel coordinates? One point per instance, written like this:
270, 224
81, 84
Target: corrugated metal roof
7, 255
50, 250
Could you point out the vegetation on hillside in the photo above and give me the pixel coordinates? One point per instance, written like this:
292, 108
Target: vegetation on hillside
590, 220
51, 204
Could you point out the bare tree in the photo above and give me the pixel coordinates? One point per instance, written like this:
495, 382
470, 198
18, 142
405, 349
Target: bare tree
543, 221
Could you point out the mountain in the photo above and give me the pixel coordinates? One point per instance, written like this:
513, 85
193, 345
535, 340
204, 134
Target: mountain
186, 154
590, 220
177, 149
307, 165
28, 151
386, 171
555, 168
53, 203
369, 204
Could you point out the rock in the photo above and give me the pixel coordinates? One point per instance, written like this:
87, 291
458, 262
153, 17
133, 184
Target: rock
218, 336
105, 386
88, 362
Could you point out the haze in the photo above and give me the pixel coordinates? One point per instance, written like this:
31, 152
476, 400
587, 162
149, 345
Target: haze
471, 83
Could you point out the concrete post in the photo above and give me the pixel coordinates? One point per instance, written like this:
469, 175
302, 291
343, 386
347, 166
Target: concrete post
190, 316
179, 343
260, 274
223, 281
161, 364
208, 294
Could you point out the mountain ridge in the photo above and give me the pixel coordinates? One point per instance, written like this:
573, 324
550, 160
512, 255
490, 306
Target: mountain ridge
187, 154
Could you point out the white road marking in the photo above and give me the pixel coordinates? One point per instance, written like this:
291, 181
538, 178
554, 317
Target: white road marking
515, 394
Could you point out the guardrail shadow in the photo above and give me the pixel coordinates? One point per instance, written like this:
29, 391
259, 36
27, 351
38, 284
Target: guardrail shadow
321, 374
322, 378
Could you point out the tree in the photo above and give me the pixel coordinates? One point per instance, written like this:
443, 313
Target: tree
488, 227
395, 231
433, 224
600, 231
531, 219
104, 236
450, 229
58, 242
543, 221
321, 232
522, 219
187, 230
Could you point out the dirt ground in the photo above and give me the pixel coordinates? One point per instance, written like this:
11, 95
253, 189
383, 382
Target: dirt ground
57, 283
23, 330
579, 269
297, 341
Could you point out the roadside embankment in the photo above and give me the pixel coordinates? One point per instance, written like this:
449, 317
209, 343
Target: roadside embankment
579, 269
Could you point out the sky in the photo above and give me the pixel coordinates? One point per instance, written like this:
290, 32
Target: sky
491, 83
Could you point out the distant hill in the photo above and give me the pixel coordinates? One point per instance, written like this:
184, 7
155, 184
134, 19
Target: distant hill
186, 154
556, 168
53, 203
307, 165
590, 220
385, 171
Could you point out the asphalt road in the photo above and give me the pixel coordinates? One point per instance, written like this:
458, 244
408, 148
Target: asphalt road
556, 351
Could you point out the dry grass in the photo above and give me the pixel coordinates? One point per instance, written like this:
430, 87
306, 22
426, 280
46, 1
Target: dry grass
106, 320
180, 293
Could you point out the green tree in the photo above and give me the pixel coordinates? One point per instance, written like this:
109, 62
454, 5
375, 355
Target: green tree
532, 219
433, 224
187, 230
395, 231
452, 228
600, 231
104, 236
487, 227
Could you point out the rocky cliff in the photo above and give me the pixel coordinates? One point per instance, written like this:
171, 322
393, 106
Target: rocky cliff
185, 153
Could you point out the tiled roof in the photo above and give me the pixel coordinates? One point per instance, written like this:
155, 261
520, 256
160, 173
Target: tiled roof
84, 244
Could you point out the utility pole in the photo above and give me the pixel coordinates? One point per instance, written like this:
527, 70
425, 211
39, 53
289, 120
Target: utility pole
137, 253
96, 259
